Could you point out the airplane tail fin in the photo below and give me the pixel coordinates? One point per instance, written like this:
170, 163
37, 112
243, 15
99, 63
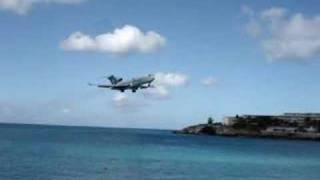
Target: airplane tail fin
114, 80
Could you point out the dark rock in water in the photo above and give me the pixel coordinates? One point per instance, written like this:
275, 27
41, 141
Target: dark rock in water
209, 129
224, 130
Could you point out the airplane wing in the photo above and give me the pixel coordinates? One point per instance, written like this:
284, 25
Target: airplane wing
104, 86
100, 85
123, 86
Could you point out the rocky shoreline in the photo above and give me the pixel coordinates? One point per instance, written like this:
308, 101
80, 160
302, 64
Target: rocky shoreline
219, 129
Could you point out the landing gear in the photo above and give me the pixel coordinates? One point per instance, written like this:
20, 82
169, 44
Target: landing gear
122, 90
134, 90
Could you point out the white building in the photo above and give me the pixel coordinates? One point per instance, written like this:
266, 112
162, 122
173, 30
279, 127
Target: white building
281, 129
289, 117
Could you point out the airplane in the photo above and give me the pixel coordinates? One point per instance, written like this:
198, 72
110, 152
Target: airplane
133, 84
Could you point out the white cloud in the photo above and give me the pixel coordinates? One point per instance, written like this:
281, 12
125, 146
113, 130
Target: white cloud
125, 40
253, 28
288, 36
23, 6
158, 92
124, 102
296, 37
247, 10
273, 13
170, 79
163, 83
121, 100
66, 110
209, 81
17, 6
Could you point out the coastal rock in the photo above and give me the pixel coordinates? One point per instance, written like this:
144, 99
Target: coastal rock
223, 130
199, 129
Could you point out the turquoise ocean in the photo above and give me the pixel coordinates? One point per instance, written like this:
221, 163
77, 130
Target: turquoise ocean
38, 152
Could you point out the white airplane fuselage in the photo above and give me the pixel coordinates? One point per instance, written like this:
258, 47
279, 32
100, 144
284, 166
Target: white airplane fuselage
133, 84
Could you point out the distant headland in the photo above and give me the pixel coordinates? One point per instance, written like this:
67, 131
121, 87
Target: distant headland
288, 126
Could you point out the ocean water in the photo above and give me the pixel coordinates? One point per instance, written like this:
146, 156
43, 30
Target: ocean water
72, 153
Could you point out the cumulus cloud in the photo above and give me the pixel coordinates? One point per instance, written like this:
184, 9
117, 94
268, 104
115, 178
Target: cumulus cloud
23, 6
294, 38
158, 92
66, 110
288, 36
247, 10
273, 13
252, 27
121, 100
209, 81
124, 102
125, 40
162, 86
170, 79
163, 83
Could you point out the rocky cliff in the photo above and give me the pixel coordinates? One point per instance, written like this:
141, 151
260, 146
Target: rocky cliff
222, 130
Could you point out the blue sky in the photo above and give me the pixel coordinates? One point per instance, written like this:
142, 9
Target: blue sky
258, 57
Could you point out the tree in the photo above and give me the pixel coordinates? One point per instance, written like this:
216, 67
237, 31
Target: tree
210, 120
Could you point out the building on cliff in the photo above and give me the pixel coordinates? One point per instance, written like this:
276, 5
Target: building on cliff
300, 118
287, 122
